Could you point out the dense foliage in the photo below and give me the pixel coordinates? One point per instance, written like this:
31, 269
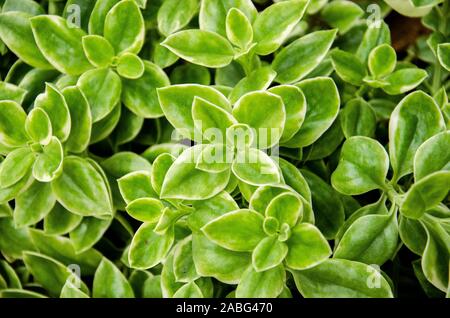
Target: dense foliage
224, 148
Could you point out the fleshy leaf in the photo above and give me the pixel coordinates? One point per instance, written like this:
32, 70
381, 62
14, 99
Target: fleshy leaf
273, 25
149, 248
363, 166
184, 181
307, 247
124, 27
302, 56
64, 49
201, 47
109, 282
336, 278
415, 119
240, 230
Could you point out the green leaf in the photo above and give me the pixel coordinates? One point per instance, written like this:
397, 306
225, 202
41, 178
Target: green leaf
323, 197
268, 119
213, 13
145, 209
169, 285
302, 56
174, 15
258, 80
81, 189
415, 119
16, 166
52, 275
19, 293
184, 181
427, 287
444, 55
140, 95
176, 102
201, 47
60, 221
358, 119
269, 253
130, 66
12, 92
321, 112
371, 239
210, 118
149, 248
273, 25
16, 33
374, 36
214, 158
295, 106
377, 208
64, 49
190, 290
307, 247
190, 73
413, 234
28, 6
348, 67
404, 80
124, 27
163, 57
160, 167
98, 15
102, 89
69, 290
98, 50
61, 249
88, 232
363, 166
342, 15
238, 28
215, 261
240, 230
382, 60
14, 241
9, 193
49, 163
136, 185
255, 167
293, 178
33, 204
123, 163
109, 282
54, 104
103, 128
183, 262
38, 126
286, 208
12, 123
267, 284
80, 115
426, 194
10, 276
128, 127
432, 156
77, 12
436, 255
337, 278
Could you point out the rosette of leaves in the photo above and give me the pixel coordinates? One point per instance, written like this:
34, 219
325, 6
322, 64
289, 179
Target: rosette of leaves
276, 238
233, 138
418, 145
43, 167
